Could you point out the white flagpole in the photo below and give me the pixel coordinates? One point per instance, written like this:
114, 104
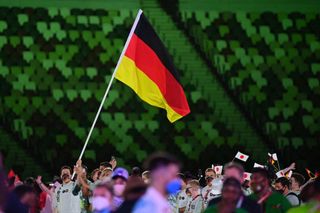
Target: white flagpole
109, 85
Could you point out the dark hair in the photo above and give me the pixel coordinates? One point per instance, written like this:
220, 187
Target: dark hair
284, 181
66, 167
136, 171
189, 176
135, 188
106, 164
94, 172
107, 185
84, 167
23, 189
299, 178
262, 171
210, 170
234, 165
231, 181
29, 181
160, 159
182, 177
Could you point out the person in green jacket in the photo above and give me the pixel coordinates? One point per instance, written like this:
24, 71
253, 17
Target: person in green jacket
231, 198
271, 202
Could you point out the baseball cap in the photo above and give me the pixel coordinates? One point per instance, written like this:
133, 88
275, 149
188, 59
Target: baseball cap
120, 172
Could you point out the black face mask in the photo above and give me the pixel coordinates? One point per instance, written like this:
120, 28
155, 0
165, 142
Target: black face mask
208, 179
65, 176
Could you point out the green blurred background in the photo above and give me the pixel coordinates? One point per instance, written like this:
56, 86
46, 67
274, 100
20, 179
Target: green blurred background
250, 71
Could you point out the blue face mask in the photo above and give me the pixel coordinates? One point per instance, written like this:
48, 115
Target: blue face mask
173, 187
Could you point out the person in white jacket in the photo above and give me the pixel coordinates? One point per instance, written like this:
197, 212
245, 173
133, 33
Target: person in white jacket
164, 171
64, 201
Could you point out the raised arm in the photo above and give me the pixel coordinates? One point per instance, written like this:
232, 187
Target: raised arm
42, 186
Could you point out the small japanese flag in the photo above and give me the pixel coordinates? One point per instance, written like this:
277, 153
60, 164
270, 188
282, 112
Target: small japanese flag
218, 170
247, 176
242, 156
256, 165
274, 156
280, 174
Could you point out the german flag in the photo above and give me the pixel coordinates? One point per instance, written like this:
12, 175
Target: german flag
147, 68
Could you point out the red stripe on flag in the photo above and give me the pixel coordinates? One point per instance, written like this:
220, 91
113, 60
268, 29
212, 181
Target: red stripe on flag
147, 61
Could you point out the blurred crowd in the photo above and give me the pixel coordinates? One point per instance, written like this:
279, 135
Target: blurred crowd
162, 188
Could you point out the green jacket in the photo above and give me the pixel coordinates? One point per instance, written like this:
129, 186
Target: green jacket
214, 209
275, 203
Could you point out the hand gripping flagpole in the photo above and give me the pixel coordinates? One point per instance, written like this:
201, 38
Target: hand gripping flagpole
109, 85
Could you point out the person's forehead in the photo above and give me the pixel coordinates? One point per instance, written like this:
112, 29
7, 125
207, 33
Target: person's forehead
173, 167
232, 170
230, 187
257, 175
119, 180
194, 188
100, 191
65, 169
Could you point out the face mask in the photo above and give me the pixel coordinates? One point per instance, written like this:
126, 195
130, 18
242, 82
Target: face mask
173, 187
65, 177
99, 203
209, 180
256, 187
118, 189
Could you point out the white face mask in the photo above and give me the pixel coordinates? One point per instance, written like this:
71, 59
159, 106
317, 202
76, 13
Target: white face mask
99, 203
118, 189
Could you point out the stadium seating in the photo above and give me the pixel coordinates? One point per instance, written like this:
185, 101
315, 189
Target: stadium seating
270, 62
55, 65
261, 84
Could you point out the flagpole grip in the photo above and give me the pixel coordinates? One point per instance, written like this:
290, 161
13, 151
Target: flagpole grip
135, 23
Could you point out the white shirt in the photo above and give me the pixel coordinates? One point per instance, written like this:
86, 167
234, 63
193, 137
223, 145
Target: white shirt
152, 202
182, 199
293, 198
205, 192
195, 205
64, 201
